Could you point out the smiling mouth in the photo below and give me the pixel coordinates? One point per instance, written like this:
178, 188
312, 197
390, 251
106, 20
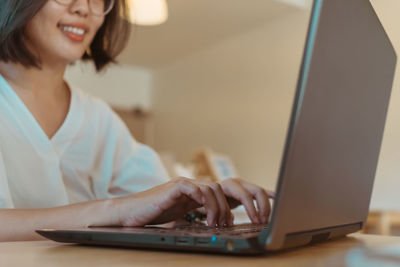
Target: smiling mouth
72, 32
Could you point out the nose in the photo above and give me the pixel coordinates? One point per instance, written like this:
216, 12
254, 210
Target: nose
80, 7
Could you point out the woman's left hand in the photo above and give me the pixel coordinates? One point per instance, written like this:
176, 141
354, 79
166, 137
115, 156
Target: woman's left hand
239, 192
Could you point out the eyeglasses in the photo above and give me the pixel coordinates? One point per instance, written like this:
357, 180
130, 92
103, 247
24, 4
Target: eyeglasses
96, 7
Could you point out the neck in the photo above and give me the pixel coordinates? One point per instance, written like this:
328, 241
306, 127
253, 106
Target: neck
46, 81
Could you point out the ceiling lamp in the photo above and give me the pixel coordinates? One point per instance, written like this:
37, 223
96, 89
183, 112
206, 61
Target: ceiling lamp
148, 12
298, 3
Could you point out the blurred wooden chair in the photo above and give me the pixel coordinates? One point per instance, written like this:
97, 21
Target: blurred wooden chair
382, 223
213, 166
139, 122
174, 168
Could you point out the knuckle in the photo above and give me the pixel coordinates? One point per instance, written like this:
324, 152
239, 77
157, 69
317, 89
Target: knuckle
219, 187
230, 180
246, 197
183, 180
264, 192
237, 180
206, 183
207, 190
216, 187
260, 191
178, 180
197, 190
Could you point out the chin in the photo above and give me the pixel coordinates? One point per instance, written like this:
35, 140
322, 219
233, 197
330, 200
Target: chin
72, 57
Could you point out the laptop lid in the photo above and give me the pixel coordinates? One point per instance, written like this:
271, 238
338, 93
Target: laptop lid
337, 124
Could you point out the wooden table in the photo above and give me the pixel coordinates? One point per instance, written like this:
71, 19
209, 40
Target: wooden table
48, 253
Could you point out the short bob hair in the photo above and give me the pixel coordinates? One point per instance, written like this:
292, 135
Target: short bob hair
109, 41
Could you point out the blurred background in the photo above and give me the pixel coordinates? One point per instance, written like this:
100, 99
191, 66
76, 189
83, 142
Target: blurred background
209, 85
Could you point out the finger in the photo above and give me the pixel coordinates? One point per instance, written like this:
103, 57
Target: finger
235, 190
191, 190
231, 218
224, 210
262, 199
225, 214
211, 205
271, 194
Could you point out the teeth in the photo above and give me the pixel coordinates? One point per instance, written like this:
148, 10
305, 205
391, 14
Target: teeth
74, 30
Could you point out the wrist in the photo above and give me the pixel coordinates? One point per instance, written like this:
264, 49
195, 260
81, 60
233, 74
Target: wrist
106, 212
125, 210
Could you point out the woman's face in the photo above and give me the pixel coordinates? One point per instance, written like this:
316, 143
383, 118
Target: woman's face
62, 33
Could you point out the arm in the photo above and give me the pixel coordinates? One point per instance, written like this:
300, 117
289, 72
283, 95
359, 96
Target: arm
160, 204
20, 224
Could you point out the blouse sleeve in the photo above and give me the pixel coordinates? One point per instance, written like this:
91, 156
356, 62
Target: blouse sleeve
5, 197
141, 170
134, 166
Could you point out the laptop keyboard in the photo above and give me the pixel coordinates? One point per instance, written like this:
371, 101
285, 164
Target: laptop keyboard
193, 230
234, 230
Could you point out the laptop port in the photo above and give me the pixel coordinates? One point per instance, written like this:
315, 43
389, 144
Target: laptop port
202, 241
183, 241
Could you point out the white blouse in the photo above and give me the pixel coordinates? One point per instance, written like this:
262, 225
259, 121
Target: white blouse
92, 155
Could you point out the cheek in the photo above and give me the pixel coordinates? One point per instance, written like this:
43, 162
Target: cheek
97, 23
43, 26
37, 34
95, 26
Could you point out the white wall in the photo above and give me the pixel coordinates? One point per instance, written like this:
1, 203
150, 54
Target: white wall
387, 185
234, 97
240, 104
121, 86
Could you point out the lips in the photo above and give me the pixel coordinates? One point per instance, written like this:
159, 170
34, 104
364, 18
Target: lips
75, 32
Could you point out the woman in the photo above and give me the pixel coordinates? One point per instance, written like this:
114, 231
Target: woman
66, 160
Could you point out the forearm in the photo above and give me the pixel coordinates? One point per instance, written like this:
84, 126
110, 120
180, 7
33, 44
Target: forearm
20, 224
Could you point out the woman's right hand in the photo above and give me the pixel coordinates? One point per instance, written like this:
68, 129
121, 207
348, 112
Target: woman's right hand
171, 201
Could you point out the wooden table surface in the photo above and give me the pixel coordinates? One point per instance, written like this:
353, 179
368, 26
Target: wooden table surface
48, 253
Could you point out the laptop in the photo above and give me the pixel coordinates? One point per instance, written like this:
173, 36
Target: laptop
331, 152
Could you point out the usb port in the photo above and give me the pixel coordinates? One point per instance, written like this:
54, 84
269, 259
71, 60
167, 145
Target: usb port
202, 241
184, 241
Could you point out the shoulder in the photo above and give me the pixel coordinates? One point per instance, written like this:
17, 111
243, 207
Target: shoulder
89, 103
94, 109
99, 114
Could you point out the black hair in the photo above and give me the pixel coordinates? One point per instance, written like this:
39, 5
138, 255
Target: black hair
108, 42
